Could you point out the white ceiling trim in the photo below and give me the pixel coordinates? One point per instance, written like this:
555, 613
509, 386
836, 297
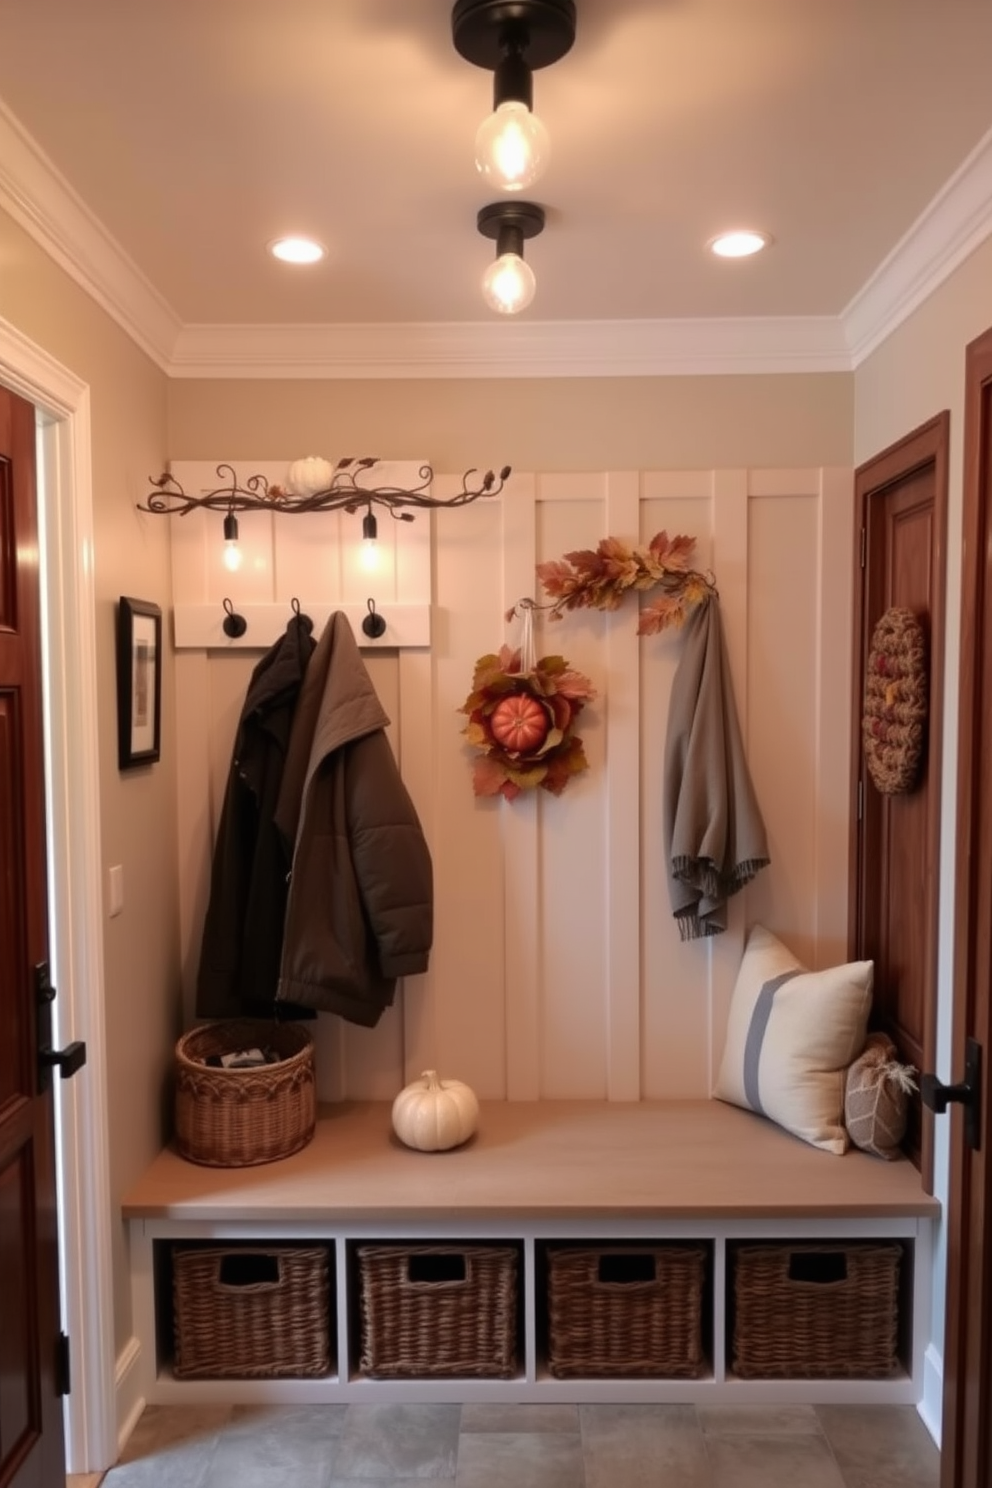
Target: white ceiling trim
635, 348
42, 202
954, 224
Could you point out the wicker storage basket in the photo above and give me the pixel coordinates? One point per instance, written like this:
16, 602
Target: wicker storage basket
249, 1312
626, 1310
233, 1118
816, 1311
438, 1310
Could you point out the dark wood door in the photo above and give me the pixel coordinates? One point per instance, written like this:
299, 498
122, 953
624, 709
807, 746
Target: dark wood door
966, 1461
32, 1453
901, 505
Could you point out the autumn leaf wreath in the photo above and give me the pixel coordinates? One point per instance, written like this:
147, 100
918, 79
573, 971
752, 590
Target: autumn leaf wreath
522, 717
524, 721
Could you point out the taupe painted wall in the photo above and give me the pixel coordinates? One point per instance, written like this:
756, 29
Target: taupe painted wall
565, 424
137, 811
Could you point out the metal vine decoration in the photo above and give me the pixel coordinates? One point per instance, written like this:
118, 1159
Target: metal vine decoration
342, 491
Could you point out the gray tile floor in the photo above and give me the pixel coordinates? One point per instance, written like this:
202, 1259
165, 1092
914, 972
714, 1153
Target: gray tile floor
528, 1446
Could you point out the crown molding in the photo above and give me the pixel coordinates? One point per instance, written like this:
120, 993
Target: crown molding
956, 222
42, 202
596, 348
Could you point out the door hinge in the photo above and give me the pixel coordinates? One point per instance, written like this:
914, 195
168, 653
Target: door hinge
864, 545
63, 1383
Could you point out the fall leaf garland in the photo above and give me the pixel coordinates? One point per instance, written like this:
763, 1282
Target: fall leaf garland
600, 578
523, 724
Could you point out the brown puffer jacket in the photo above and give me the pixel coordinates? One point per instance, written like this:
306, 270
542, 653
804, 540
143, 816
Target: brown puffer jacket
360, 906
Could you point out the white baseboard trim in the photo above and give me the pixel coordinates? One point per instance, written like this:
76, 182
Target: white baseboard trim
931, 1406
127, 1383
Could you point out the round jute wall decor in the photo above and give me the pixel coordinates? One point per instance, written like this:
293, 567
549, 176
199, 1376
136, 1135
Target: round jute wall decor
894, 722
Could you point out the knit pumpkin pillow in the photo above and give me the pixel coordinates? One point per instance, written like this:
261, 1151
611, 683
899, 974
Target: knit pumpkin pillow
876, 1098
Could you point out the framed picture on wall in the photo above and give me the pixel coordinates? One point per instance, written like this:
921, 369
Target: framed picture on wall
139, 682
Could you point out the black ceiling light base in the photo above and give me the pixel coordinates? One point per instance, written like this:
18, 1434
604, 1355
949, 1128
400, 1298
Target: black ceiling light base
484, 30
509, 223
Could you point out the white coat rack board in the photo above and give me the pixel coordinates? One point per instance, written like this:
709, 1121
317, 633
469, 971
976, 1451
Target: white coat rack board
312, 560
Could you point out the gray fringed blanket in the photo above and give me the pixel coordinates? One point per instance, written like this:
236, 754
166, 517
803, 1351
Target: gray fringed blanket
714, 835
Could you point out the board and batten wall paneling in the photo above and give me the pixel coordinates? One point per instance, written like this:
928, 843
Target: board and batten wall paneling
468, 977
557, 968
835, 607
675, 976
799, 605
729, 560
571, 966
622, 862
782, 681
520, 838
416, 756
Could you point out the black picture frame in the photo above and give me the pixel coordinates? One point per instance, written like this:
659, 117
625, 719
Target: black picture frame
139, 682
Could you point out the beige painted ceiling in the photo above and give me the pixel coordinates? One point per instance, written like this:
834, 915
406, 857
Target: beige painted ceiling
197, 130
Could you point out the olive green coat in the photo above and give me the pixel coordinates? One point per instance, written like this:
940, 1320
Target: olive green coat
360, 908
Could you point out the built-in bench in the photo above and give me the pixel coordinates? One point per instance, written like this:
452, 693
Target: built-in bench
537, 1173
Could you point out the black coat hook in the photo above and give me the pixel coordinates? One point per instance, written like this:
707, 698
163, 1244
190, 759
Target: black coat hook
373, 624
234, 624
297, 613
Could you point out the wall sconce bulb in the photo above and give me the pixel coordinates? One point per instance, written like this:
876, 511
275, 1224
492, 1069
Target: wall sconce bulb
232, 553
370, 545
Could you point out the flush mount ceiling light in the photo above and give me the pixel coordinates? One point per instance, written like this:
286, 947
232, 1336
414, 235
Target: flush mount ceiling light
512, 38
740, 243
297, 250
508, 284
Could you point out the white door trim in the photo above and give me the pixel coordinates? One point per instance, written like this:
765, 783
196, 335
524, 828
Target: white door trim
65, 500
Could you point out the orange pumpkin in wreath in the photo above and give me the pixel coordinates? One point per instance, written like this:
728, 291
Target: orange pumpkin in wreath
523, 724
519, 723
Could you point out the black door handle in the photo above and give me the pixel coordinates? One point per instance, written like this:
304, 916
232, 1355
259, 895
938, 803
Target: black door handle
68, 1061
938, 1096
967, 1092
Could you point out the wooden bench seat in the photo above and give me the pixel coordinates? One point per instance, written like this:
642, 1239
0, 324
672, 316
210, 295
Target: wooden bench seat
665, 1159
535, 1174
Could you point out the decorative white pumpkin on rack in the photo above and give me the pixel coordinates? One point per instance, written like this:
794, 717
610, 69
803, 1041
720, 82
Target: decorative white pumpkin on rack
432, 1115
308, 476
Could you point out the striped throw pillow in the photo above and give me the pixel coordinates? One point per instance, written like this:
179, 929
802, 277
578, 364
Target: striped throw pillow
791, 1036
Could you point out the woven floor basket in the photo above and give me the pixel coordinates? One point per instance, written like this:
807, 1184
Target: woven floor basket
251, 1312
438, 1310
234, 1118
631, 1311
816, 1311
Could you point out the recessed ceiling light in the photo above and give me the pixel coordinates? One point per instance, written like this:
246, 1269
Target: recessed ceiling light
739, 244
297, 250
